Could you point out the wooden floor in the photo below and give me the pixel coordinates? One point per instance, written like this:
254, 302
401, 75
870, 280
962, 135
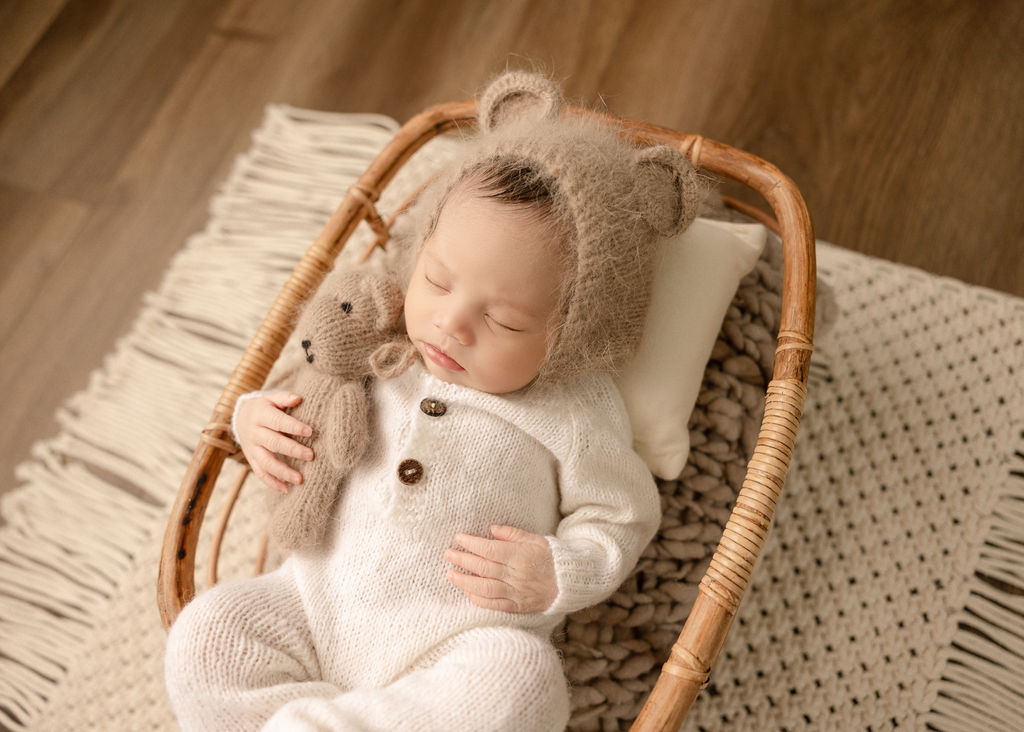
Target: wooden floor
903, 123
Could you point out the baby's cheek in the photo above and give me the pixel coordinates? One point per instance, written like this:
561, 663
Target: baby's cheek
526, 358
535, 351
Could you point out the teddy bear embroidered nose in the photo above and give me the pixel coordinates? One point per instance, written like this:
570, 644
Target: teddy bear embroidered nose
346, 307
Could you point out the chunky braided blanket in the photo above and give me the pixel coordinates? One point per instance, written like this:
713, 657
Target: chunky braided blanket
890, 592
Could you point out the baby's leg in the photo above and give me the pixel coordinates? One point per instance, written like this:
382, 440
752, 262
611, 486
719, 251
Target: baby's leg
486, 678
239, 652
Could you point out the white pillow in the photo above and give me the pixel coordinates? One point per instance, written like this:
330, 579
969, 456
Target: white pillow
696, 280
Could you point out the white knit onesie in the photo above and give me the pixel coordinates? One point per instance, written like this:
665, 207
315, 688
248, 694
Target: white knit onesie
369, 634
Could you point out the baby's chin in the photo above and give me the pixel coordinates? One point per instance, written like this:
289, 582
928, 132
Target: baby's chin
463, 376
443, 374
459, 378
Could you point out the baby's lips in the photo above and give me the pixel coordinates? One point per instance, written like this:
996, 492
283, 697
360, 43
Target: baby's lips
441, 358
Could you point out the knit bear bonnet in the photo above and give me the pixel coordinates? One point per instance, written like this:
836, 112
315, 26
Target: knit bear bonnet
616, 201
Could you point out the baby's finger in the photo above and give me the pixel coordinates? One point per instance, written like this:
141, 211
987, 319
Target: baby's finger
487, 603
479, 586
265, 477
496, 551
277, 443
273, 468
280, 421
271, 482
512, 533
475, 565
283, 399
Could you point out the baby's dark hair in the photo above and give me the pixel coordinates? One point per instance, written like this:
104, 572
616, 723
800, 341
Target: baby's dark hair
511, 181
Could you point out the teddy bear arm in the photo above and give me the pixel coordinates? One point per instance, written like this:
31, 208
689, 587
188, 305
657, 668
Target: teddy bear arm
345, 439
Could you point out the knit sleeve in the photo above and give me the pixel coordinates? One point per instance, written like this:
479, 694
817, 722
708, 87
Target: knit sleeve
609, 503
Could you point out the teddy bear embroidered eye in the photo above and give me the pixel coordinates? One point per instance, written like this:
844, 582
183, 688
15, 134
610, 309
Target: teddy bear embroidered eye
349, 332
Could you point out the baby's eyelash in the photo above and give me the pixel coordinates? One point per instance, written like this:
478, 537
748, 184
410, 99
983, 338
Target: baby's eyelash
435, 284
506, 327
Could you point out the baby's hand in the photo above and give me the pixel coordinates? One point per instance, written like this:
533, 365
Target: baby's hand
514, 572
261, 426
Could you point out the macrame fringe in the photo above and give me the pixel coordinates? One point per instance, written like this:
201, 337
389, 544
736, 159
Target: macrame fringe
981, 687
96, 496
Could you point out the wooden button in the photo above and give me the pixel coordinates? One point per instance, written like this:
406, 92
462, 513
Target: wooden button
433, 407
410, 472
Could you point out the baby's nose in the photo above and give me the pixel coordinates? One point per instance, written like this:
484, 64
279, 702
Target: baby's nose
457, 324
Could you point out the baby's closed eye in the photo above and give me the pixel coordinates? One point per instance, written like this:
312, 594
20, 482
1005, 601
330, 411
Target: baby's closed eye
504, 325
437, 284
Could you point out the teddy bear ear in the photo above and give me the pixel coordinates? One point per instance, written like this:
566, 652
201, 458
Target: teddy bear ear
667, 188
387, 302
518, 96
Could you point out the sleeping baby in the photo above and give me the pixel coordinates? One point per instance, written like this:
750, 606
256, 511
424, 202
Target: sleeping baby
499, 490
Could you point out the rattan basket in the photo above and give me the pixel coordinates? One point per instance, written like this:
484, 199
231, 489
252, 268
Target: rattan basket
722, 587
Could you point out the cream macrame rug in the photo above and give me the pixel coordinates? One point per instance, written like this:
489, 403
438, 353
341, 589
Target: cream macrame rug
890, 592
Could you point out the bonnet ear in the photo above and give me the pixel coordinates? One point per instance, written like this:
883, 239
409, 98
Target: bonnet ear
668, 190
518, 96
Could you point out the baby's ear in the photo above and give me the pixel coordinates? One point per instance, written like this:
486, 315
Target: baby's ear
668, 191
517, 96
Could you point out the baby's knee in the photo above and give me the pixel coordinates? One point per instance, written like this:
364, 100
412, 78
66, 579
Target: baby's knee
545, 689
199, 642
243, 635
527, 672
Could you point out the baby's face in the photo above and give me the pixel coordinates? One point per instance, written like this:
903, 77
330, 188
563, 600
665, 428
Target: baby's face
480, 302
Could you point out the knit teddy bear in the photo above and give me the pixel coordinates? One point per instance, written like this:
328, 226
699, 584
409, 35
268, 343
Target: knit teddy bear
350, 331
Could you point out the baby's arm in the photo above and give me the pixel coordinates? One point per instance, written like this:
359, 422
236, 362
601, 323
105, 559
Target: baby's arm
610, 507
262, 427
